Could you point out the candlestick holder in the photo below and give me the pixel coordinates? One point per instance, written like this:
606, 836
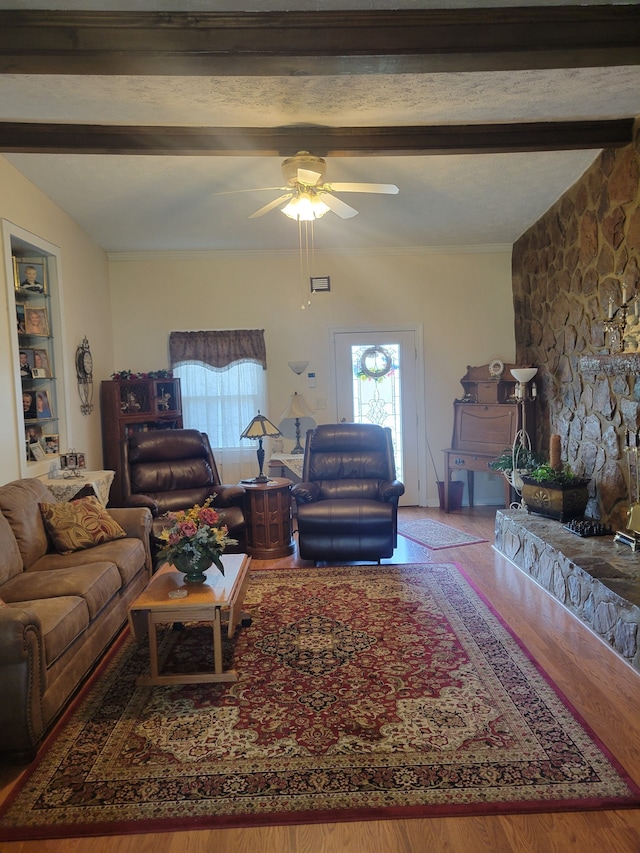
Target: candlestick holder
617, 320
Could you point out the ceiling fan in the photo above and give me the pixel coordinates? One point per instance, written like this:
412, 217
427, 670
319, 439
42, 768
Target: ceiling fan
307, 194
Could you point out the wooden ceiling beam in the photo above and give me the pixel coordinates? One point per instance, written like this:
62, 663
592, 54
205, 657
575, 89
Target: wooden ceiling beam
318, 43
40, 138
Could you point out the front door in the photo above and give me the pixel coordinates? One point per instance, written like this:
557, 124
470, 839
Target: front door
376, 380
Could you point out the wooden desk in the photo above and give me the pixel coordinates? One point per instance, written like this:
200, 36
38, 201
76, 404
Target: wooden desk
204, 602
460, 460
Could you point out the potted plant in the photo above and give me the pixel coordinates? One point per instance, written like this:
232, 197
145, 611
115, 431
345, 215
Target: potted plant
554, 492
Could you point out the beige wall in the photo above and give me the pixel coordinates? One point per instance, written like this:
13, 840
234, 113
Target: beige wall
462, 300
83, 274
127, 307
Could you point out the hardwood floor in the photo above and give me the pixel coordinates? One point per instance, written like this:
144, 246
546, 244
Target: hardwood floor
602, 687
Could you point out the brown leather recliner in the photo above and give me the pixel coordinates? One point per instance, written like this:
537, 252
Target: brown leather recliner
348, 498
170, 470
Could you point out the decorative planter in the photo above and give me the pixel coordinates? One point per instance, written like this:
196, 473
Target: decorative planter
562, 501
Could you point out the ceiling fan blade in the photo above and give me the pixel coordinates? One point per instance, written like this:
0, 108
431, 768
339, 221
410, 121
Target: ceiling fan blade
252, 190
306, 176
338, 206
388, 189
272, 204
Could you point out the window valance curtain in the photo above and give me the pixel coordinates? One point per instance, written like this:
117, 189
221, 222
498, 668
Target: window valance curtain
218, 349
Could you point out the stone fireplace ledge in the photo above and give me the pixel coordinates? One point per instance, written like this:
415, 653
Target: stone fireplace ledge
595, 578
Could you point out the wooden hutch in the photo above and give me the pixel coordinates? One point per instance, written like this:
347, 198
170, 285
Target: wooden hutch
486, 421
130, 406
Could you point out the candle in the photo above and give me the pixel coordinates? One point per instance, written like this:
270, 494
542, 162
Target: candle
635, 306
534, 390
611, 307
554, 452
624, 294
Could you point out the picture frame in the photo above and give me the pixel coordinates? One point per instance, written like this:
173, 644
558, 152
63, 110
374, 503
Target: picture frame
44, 409
20, 319
30, 275
52, 444
25, 356
36, 321
29, 410
41, 363
69, 461
81, 460
33, 434
37, 451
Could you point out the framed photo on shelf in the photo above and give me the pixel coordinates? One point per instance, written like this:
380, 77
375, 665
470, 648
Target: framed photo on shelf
30, 275
26, 363
43, 405
51, 444
33, 434
29, 411
36, 321
41, 368
37, 451
20, 319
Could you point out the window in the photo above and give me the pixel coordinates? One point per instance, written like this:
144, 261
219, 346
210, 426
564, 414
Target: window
223, 383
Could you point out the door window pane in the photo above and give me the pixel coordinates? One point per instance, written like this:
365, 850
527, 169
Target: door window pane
376, 391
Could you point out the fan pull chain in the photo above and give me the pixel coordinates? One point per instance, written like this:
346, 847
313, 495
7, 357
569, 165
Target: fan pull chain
306, 258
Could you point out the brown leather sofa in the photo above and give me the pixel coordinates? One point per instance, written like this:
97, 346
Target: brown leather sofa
348, 499
58, 612
170, 470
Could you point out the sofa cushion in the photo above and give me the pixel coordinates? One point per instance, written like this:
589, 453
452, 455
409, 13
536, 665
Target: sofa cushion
19, 504
96, 583
127, 554
10, 559
61, 619
79, 524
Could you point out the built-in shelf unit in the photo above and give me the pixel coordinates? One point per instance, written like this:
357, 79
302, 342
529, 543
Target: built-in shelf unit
34, 298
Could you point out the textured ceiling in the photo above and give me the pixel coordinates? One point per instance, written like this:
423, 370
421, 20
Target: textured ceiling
143, 202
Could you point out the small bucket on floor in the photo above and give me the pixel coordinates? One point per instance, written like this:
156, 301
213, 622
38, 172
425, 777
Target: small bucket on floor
456, 489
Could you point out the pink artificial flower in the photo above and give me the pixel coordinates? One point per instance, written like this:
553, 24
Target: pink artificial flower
209, 516
187, 528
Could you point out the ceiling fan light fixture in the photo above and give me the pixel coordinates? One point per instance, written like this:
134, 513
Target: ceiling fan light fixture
305, 207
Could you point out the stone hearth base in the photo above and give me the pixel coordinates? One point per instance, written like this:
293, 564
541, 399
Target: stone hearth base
595, 578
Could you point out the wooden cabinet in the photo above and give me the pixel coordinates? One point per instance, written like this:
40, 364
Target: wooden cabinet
486, 422
135, 405
268, 515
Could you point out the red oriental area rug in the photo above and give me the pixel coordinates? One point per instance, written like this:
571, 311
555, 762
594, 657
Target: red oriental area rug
364, 692
436, 535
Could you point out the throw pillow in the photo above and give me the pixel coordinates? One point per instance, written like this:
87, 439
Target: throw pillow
79, 524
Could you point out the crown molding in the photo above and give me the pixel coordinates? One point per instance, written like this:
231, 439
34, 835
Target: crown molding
398, 251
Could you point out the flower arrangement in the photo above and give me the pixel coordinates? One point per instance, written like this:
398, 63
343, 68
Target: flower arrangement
194, 540
128, 376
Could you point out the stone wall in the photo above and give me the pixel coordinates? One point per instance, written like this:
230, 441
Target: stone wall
565, 268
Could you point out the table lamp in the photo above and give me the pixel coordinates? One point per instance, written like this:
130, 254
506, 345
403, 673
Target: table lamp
259, 428
297, 408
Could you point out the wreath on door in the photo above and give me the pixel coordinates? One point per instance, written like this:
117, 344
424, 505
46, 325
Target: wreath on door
375, 363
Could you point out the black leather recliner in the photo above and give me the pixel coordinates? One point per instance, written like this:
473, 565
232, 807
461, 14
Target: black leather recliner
348, 499
173, 469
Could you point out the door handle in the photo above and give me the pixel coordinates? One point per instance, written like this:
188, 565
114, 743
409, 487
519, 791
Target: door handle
343, 420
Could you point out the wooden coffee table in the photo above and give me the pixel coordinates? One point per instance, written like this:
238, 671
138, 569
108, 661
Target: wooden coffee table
204, 602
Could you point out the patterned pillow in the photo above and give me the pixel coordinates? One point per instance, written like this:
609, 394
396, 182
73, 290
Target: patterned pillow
79, 524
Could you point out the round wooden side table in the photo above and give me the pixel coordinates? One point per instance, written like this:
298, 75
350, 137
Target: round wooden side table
267, 512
